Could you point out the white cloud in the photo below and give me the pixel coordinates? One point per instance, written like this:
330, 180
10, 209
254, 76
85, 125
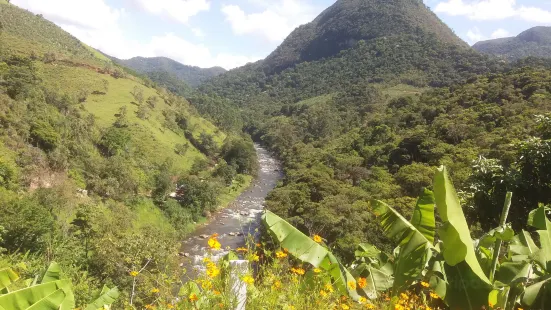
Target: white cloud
98, 25
198, 32
493, 10
188, 53
474, 35
178, 10
276, 20
500, 33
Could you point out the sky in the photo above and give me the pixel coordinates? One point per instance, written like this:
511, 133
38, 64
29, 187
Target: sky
231, 33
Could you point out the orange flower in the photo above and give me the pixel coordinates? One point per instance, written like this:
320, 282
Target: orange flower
424, 284
280, 254
298, 271
329, 287
352, 285
317, 238
244, 250
362, 282
323, 293
193, 297
362, 300
434, 295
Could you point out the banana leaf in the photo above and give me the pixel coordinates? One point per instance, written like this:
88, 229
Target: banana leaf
416, 238
107, 297
52, 274
468, 286
51, 295
7, 277
307, 250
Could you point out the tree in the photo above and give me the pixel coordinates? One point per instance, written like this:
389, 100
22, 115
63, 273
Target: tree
144, 112
122, 119
152, 101
137, 93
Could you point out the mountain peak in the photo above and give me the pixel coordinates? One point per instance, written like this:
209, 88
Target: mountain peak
346, 22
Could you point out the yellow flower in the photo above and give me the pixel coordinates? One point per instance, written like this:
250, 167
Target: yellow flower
206, 260
329, 287
169, 306
280, 254
255, 258
214, 244
155, 291
369, 306
317, 238
362, 300
344, 307
134, 273
428, 308
216, 293
317, 270
298, 271
276, 285
398, 307
206, 285
362, 282
193, 297
258, 245
404, 296
434, 295
424, 284
213, 271
149, 307
244, 250
291, 308
323, 293
352, 285
248, 279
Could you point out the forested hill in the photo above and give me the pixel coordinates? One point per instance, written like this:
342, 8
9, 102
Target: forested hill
346, 22
356, 43
193, 76
534, 42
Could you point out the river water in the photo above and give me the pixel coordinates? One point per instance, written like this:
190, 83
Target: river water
232, 224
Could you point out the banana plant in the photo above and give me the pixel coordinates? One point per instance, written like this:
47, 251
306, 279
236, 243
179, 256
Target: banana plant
308, 251
450, 265
376, 267
52, 293
527, 273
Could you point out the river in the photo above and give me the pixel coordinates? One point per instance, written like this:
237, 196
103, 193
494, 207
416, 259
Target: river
235, 222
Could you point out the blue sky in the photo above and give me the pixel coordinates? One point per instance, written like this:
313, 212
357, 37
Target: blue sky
230, 33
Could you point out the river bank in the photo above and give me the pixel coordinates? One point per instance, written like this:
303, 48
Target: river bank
238, 220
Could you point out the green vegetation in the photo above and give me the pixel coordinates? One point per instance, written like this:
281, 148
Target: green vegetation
534, 42
89, 156
166, 71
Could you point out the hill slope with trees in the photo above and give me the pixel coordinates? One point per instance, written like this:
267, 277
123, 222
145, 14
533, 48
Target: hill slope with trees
534, 42
193, 76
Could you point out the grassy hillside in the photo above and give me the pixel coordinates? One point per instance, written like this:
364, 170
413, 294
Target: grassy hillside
89, 155
151, 134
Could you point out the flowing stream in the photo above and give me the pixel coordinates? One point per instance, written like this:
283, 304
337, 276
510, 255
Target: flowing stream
234, 223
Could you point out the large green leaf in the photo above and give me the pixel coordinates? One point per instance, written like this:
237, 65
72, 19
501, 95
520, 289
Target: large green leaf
306, 250
107, 297
7, 277
464, 273
539, 220
42, 294
415, 238
52, 274
378, 280
532, 292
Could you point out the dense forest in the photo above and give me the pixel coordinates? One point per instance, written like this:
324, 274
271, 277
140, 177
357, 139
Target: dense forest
380, 115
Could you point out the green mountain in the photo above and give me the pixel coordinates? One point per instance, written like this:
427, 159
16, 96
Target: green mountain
355, 43
193, 76
346, 22
534, 42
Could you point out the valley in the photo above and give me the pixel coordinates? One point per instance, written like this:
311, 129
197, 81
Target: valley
373, 160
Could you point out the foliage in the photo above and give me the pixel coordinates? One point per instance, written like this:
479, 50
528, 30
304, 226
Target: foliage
534, 42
